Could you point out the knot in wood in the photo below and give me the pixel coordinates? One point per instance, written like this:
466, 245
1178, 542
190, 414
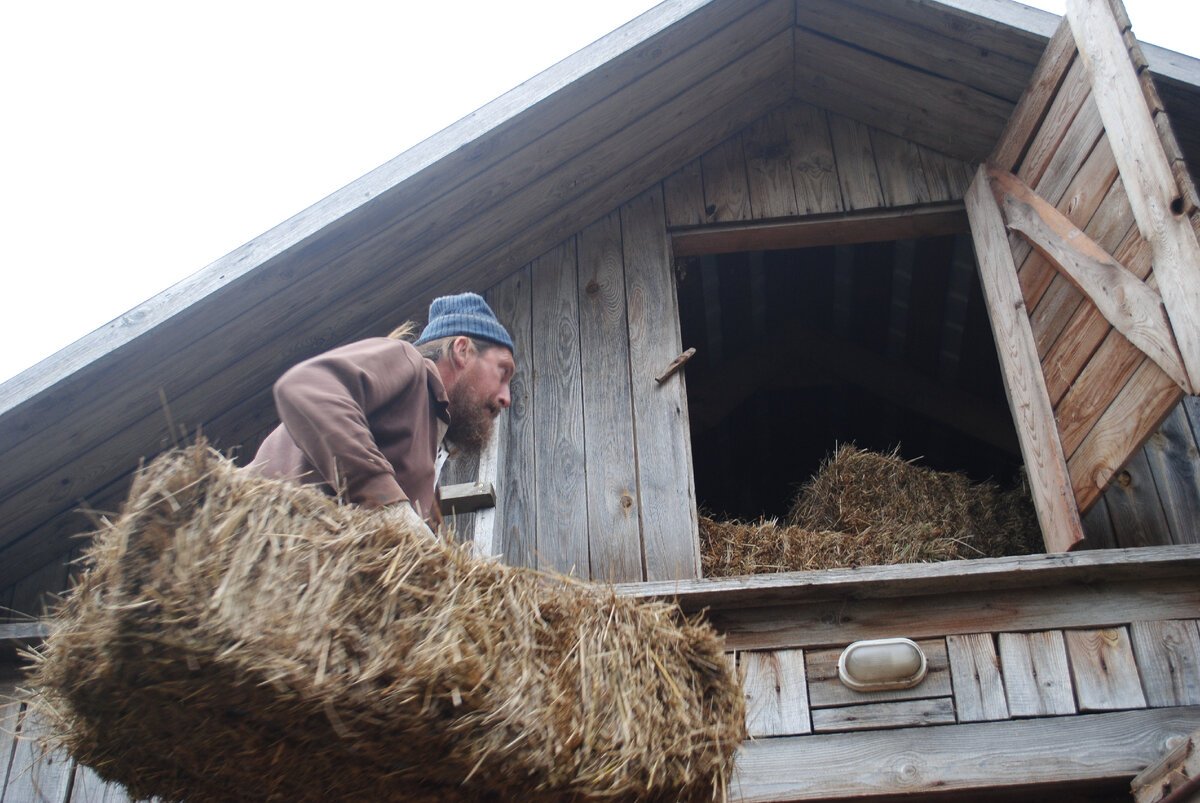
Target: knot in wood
592, 288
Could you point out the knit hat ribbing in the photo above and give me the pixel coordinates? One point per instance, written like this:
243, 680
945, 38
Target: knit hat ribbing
464, 314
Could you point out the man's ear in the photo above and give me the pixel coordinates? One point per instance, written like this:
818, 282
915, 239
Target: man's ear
461, 349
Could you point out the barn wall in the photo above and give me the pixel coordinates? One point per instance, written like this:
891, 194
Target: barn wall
570, 497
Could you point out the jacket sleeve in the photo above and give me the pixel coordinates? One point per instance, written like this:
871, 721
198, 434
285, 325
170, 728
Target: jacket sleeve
326, 402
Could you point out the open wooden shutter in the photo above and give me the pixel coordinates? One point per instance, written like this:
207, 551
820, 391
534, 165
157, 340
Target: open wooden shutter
1084, 222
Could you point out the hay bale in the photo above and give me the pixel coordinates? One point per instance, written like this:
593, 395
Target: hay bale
241, 637
864, 508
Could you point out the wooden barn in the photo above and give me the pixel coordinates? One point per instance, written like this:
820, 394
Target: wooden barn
964, 227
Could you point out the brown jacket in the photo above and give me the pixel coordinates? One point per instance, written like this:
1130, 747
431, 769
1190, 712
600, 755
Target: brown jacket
361, 419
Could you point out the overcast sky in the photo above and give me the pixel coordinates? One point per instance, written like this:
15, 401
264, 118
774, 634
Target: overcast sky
143, 140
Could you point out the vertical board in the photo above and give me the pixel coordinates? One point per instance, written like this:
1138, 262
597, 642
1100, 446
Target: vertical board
1167, 654
768, 171
975, 672
561, 509
1153, 191
726, 191
1024, 384
901, 171
670, 537
814, 170
683, 192
1174, 460
856, 170
1133, 506
615, 545
10, 710
1102, 666
776, 693
37, 775
515, 527
1037, 680
88, 787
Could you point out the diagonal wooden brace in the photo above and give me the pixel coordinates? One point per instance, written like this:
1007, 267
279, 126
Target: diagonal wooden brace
1133, 308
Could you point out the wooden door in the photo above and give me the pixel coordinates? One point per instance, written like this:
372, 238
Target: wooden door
1084, 220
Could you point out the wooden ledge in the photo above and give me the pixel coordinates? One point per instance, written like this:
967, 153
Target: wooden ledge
866, 582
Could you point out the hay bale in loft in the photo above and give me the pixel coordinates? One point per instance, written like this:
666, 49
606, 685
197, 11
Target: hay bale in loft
863, 508
238, 636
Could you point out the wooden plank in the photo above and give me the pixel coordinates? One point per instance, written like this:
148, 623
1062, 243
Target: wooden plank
615, 541
850, 228
1125, 301
1103, 669
1168, 658
901, 171
910, 39
1065, 109
683, 192
901, 100
814, 170
768, 170
467, 497
819, 624
1054, 571
515, 529
874, 716
983, 757
10, 711
1091, 187
975, 671
88, 787
825, 690
1130, 419
1172, 455
726, 191
1037, 679
37, 774
1023, 382
855, 160
1035, 101
665, 487
559, 460
1174, 773
1134, 507
1098, 527
1153, 192
776, 693
948, 178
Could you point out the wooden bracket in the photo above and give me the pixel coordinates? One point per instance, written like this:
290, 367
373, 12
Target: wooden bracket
1133, 308
467, 497
675, 365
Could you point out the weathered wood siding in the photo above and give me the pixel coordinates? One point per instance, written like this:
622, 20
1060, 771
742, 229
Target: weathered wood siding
1069, 685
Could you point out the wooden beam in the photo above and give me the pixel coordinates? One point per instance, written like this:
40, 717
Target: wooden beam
1094, 568
1158, 203
1134, 309
1023, 381
467, 497
838, 229
979, 756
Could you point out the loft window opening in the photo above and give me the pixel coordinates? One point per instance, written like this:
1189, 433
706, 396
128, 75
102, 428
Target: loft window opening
883, 345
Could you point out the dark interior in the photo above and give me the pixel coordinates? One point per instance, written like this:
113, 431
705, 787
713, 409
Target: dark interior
883, 345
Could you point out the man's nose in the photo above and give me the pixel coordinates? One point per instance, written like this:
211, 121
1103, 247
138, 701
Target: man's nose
505, 397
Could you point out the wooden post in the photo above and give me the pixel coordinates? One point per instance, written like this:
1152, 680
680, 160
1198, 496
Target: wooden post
1024, 384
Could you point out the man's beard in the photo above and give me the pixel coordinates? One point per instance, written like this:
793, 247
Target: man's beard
471, 421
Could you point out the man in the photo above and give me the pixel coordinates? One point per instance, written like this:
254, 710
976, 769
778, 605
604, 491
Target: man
367, 420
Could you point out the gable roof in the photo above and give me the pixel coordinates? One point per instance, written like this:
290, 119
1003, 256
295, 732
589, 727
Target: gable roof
471, 204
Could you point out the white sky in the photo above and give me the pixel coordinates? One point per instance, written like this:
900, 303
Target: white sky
142, 139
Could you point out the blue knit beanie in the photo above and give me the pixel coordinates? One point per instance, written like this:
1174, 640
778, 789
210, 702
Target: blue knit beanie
464, 314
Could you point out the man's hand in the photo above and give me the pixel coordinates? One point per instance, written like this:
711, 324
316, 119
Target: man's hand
402, 513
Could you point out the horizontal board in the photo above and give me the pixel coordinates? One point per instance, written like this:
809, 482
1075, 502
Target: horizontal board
976, 756
875, 716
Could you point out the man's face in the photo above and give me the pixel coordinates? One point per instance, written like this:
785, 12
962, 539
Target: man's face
477, 396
